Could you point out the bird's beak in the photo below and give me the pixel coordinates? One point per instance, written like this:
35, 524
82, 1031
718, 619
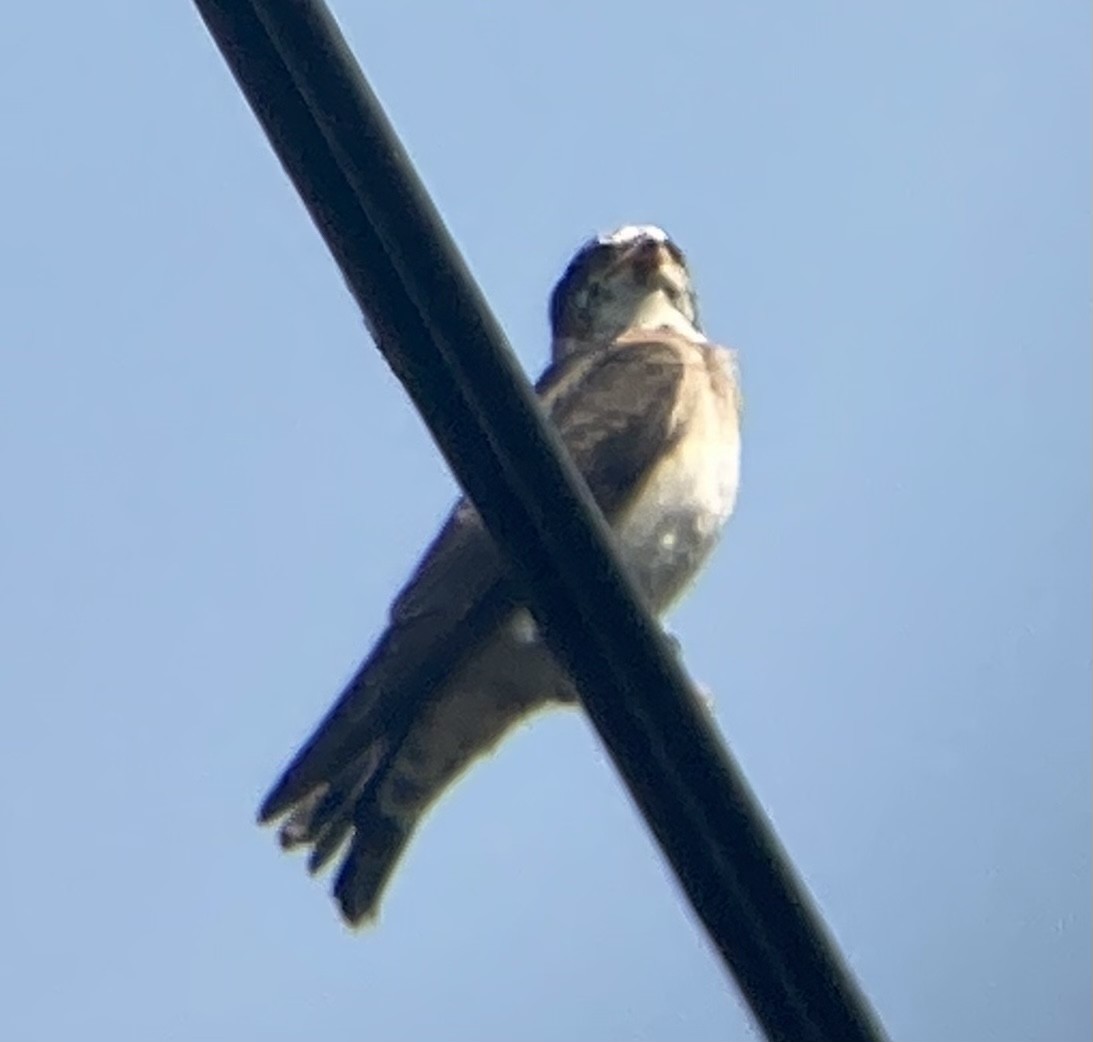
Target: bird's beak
647, 258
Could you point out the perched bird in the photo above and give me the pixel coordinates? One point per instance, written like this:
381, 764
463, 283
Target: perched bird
649, 410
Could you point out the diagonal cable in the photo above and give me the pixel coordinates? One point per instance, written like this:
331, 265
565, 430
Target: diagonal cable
436, 331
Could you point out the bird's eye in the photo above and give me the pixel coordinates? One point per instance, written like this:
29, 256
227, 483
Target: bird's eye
602, 255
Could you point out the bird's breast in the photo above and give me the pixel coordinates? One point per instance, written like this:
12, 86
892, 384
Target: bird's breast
676, 519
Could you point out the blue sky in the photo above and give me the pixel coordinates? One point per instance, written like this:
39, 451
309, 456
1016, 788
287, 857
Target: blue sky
213, 487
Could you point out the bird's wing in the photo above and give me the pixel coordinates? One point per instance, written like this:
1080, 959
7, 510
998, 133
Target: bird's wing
617, 410
463, 597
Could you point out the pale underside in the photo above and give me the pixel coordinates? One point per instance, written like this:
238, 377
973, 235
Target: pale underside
652, 422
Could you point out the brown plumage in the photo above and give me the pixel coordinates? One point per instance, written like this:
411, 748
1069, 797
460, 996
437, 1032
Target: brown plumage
650, 418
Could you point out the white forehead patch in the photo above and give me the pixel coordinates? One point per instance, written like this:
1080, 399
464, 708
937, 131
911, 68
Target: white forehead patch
630, 232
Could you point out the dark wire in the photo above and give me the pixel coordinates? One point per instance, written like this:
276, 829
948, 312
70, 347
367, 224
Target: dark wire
437, 333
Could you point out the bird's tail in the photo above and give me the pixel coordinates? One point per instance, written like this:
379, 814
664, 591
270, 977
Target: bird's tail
377, 845
348, 808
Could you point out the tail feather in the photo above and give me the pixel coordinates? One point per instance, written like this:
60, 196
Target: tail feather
324, 817
338, 799
378, 844
297, 830
332, 812
330, 842
326, 836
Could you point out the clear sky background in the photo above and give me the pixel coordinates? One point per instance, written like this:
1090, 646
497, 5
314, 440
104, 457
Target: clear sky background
213, 486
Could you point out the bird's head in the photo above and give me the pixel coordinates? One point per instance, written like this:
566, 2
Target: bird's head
633, 278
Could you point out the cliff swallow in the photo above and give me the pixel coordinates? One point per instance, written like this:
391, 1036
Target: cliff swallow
649, 410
